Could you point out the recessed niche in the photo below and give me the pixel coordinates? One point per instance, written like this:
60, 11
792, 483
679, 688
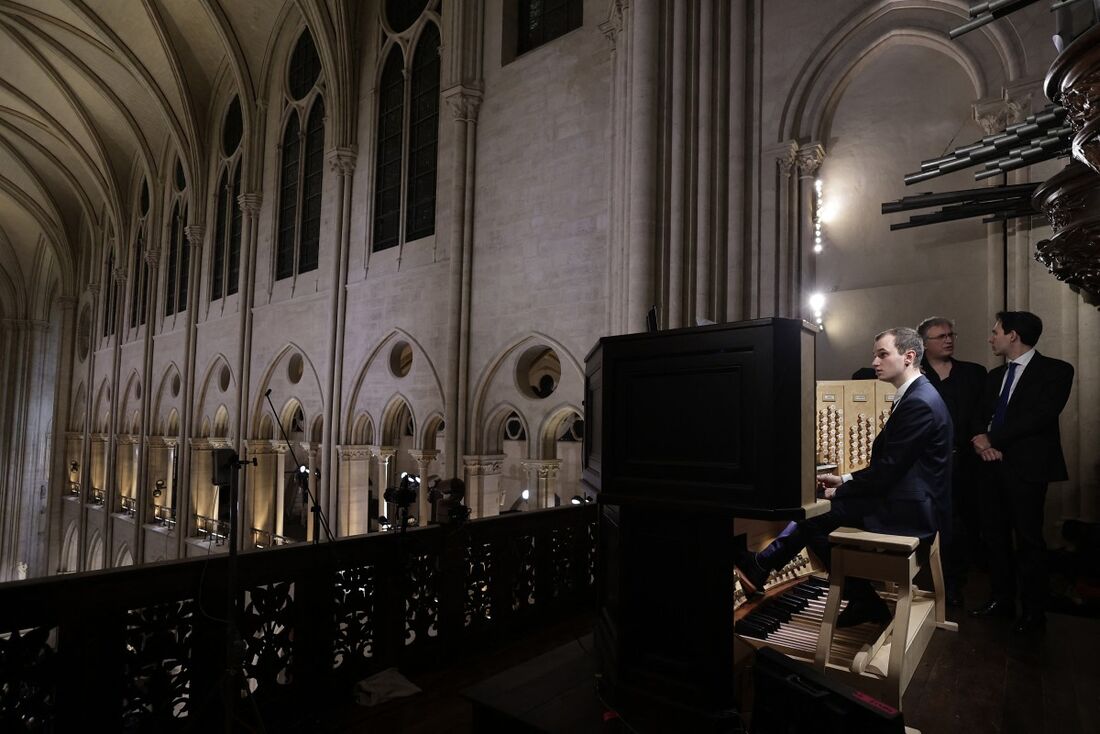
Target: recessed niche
401, 359
223, 378
295, 368
175, 387
538, 372
84, 333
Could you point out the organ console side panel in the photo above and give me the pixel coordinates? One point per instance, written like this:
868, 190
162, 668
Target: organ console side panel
686, 430
847, 417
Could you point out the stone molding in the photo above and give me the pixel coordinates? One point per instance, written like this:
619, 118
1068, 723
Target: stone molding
342, 160
250, 203
464, 102
809, 158
194, 234
546, 468
354, 452
486, 465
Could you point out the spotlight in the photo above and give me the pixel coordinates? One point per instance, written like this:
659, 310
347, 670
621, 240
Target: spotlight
577, 500
74, 467
817, 301
526, 495
303, 469
158, 488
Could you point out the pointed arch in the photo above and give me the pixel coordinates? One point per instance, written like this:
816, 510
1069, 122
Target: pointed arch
552, 426
165, 402
362, 430
493, 429
394, 419
307, 390
432, 425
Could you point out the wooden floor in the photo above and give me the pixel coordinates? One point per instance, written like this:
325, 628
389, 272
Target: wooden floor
982, 679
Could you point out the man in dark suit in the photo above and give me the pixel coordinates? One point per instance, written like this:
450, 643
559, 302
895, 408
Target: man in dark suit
904, 491
1019, 440
961, 385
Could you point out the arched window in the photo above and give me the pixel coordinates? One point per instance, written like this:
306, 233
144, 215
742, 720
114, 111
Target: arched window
225, 259
302, 165
179, 253
407, 144
139, 281
111, 291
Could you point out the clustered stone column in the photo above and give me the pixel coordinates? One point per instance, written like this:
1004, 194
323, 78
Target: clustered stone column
423, 459
542, 480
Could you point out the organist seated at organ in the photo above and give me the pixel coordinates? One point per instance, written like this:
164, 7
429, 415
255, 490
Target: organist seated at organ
906, 489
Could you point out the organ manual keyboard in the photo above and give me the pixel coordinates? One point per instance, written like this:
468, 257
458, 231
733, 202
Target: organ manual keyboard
686, 431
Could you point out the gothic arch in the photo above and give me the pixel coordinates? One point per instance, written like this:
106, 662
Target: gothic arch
70, 549
430, 431
131, 401
870, 30
362, 430
492, 438
212, 396
307, 390
79, 409
123, 557
166, 403
497, 384
376, 383
95, 552
551, 428
101, 416
393, 424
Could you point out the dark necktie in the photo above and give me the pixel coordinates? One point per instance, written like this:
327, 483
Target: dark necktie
1002, 401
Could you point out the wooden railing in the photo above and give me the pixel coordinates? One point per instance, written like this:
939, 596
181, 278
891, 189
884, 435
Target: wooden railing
145, 649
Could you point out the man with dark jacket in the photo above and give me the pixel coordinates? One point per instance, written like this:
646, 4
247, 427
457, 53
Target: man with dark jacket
904, 491
1018, 438
961, 385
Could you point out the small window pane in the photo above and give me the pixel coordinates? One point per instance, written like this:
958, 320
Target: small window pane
387, 171
288, 200
234, 237
173, 256
110, 290
185, 261
181, 180
305, 67
233, 128
401, 14
544, 20
424, 136
217, 260
311, 188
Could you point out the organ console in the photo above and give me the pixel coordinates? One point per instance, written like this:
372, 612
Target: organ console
700, 438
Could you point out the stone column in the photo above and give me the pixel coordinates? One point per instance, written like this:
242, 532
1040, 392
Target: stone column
354, 516
145, 486
482, 476
464, 103
342, 160
86, 445
250, 210
194, 234
423, 461
384, 455
58, 466
542, 480
111, 488
14, 405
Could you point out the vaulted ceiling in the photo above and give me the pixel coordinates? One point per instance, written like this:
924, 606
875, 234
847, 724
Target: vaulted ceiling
97, 96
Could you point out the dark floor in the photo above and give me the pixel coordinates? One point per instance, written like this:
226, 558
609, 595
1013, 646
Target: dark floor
982, 679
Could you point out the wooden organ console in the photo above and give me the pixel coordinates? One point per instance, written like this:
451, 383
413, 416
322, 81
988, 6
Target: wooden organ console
694, 439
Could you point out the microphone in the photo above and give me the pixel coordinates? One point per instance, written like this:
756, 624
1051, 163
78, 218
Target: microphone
268, 393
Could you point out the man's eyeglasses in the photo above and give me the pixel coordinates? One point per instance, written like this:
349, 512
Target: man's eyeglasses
949, 335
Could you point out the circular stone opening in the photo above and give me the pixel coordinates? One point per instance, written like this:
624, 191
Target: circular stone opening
401, 359
223, 378
295, 368
175, 385
538, 372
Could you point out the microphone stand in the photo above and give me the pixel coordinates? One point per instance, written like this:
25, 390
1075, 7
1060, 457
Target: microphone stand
315, 508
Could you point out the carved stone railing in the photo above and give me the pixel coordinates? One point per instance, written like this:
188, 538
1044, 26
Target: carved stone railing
144, 649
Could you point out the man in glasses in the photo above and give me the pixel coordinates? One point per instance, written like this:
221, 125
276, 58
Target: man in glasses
960, 384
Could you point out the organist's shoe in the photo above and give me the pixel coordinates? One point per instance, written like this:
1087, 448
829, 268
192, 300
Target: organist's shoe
859, 611
749, 572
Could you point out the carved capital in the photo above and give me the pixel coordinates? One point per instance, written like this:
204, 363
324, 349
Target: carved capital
118, 275
614, 23
152, 256
464, 102
94, 288
342, 160
786, 155
194, 234
353, 453
810, 157
993, 116
67, 302
544, 468
480, 466
250, 202
384, 453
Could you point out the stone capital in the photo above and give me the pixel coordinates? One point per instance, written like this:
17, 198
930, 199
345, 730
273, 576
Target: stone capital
354, 453
785, 155
810, 157
424, 456
342, 160
119, 276
94, 288
67, 302
194, 234
250, 202
994, 115
152, 256
483, 465
464, 102
545, 468
384, 453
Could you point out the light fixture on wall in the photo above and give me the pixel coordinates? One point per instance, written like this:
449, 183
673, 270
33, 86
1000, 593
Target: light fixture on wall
819, 205
158, 488
817, 305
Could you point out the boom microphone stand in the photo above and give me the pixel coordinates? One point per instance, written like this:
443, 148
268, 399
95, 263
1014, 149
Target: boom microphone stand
314, 507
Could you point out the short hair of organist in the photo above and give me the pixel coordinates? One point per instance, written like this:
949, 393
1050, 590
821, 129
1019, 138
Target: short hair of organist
931, 321
906, 340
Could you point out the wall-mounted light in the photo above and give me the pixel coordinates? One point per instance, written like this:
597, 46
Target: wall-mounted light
819, 205
817, 305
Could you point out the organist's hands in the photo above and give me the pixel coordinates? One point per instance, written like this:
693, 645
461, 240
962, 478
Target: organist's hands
828, 484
